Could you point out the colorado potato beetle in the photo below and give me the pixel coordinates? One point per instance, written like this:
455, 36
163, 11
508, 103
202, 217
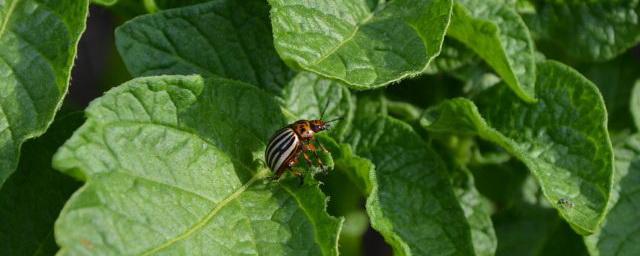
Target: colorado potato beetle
287, 144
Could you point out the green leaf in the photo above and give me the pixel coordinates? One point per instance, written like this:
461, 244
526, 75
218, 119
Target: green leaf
38, 41
346, 40
230, 39
411, 203
33, 196
618, 235
307, 95
586, 30
635, 104
477, 210
499, 36
172, 165
563, 138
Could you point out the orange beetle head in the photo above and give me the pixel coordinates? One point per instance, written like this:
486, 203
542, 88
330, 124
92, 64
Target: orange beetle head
318, 125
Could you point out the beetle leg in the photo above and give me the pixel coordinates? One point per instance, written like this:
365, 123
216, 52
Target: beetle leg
299, 175
306, 157
321, 146
312, 148
274, 178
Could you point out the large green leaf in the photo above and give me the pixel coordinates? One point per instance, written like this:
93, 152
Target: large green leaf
586, 30
231, 39
38, 39
172, 166
32, 197
563, 138
499, 36
619, 233
411, 203
348, 41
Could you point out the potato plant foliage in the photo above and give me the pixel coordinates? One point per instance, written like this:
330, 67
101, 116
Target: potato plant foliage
468, 127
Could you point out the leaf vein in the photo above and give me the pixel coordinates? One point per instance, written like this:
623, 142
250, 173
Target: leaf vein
12, 8
211, 214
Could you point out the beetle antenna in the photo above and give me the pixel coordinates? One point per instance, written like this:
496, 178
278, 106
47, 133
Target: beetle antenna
335, 119
324, 109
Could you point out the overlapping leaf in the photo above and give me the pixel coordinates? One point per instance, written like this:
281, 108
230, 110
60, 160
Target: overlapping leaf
38, 42
499, 36
586, 30
477, 211
365, 48
169, 168
27, 212
230, 39
428, 219
532, 228
453, 56
563, 139
618, 233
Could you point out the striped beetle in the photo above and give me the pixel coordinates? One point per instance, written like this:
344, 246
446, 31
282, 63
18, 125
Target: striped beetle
287, 144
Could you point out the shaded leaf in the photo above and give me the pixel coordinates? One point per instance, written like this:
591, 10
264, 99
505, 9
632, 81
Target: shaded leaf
563, 138
499, 36
477, 210
618, 235
614, 79
171, 166
230, 39
168, 4
411, 203
33, 196
346, 186
366, 49
38, 40
454, 55
586, 30
531, 230
501, 183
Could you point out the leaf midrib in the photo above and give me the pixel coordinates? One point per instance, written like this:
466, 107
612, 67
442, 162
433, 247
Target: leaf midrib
259, 175
346, 40
5, 22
